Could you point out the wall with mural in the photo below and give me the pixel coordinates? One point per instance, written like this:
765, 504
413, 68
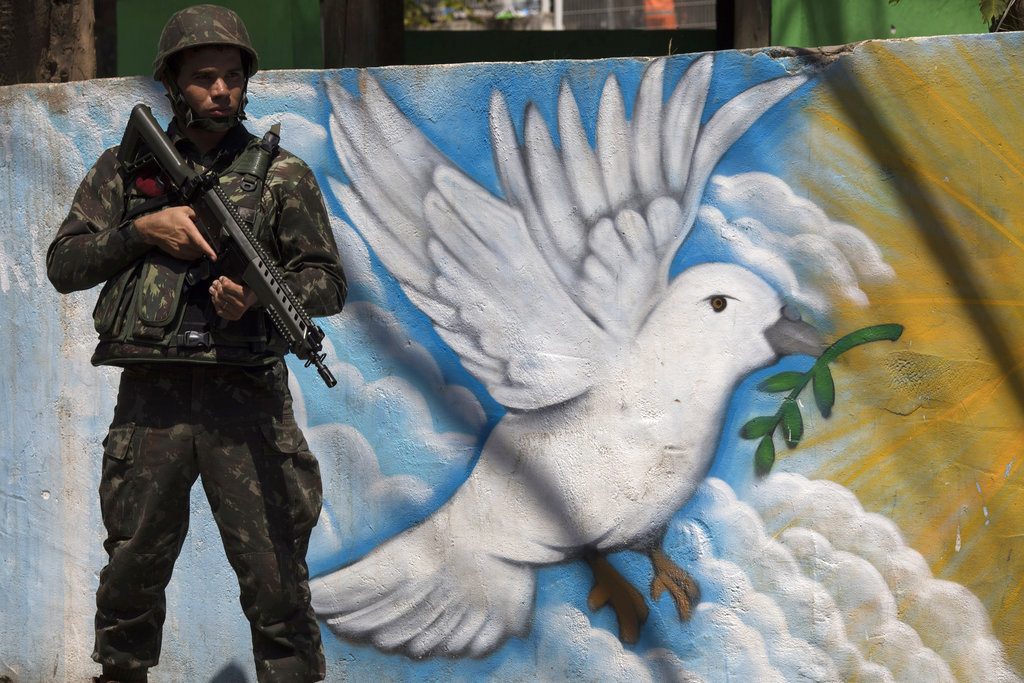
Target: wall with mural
698, 368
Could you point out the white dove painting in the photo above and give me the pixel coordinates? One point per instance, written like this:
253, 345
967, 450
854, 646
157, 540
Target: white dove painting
610, 288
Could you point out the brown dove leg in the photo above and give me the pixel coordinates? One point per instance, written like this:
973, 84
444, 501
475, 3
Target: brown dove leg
669, 576
612, 587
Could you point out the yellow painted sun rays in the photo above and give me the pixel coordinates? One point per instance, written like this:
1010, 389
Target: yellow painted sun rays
925, 156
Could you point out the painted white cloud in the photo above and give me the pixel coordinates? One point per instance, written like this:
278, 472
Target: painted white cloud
355, 259
299, 135
367, 326
396, 407
891, 582
358, 496
394, 346
799, 583
281, 91
803, 584
665, 665
790, 240
394, 417
569, 648
386, 418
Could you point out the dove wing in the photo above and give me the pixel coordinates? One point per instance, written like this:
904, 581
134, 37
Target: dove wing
612, 217
421, 598
461, 255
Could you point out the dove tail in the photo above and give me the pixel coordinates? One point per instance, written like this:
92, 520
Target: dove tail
421, 597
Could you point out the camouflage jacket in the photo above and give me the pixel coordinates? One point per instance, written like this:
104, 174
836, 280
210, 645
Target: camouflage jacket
141, 308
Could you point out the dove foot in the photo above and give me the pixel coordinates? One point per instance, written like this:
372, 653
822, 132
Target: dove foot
669, 576
611, 587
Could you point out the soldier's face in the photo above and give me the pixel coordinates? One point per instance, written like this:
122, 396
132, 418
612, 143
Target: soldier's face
212, 78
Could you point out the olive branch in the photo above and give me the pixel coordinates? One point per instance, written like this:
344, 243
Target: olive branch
824, 389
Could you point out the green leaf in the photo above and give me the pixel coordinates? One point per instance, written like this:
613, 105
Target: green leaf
866, 335
784, 381
992, 9
824, 389
764, 457
792, 423
758, 427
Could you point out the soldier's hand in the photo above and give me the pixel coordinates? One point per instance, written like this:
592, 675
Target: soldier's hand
231, 299
173, 230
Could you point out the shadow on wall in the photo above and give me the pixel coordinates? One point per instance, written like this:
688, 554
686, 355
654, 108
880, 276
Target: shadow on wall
232, 673
919, 201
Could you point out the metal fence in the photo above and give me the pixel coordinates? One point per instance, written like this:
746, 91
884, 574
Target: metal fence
568, 14
633, 14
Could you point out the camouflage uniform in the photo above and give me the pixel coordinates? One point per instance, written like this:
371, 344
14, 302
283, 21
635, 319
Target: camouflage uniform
222, 413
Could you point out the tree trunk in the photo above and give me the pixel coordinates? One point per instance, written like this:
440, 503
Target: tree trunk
46, 41
743, 24
362, 33
753, 23
1014, 19
106, 37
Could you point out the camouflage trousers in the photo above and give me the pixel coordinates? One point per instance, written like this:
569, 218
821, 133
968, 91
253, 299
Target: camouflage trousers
234, 428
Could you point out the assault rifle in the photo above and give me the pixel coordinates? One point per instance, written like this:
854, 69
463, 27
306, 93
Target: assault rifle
215, 210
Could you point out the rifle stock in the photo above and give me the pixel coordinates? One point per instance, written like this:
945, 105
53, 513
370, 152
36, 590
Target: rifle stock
260, 273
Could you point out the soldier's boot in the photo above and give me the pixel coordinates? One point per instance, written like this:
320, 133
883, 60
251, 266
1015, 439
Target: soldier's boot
117, 674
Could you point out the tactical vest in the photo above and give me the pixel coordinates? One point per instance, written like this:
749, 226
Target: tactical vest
159, 308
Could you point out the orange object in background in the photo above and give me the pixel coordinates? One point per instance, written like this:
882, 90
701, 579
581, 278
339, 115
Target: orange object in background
659, 14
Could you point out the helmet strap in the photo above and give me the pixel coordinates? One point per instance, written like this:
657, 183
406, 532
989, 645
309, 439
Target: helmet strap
187, 117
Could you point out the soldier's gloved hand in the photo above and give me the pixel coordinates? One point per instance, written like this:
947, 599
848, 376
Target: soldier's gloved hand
231, 299
173, 230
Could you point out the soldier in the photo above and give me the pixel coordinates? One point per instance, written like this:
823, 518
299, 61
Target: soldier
204, 390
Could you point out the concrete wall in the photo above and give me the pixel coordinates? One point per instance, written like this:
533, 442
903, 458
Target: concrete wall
562, 274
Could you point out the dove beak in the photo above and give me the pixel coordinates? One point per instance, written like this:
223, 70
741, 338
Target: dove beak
792, 336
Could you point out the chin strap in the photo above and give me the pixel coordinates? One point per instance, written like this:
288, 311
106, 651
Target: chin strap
188, 118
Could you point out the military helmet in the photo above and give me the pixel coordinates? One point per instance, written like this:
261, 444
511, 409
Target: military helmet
202, 25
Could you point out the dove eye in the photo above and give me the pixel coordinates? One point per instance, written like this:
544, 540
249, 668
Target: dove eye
718, 303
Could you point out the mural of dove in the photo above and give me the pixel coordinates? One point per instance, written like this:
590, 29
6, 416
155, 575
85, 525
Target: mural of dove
557, 297
878, 549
